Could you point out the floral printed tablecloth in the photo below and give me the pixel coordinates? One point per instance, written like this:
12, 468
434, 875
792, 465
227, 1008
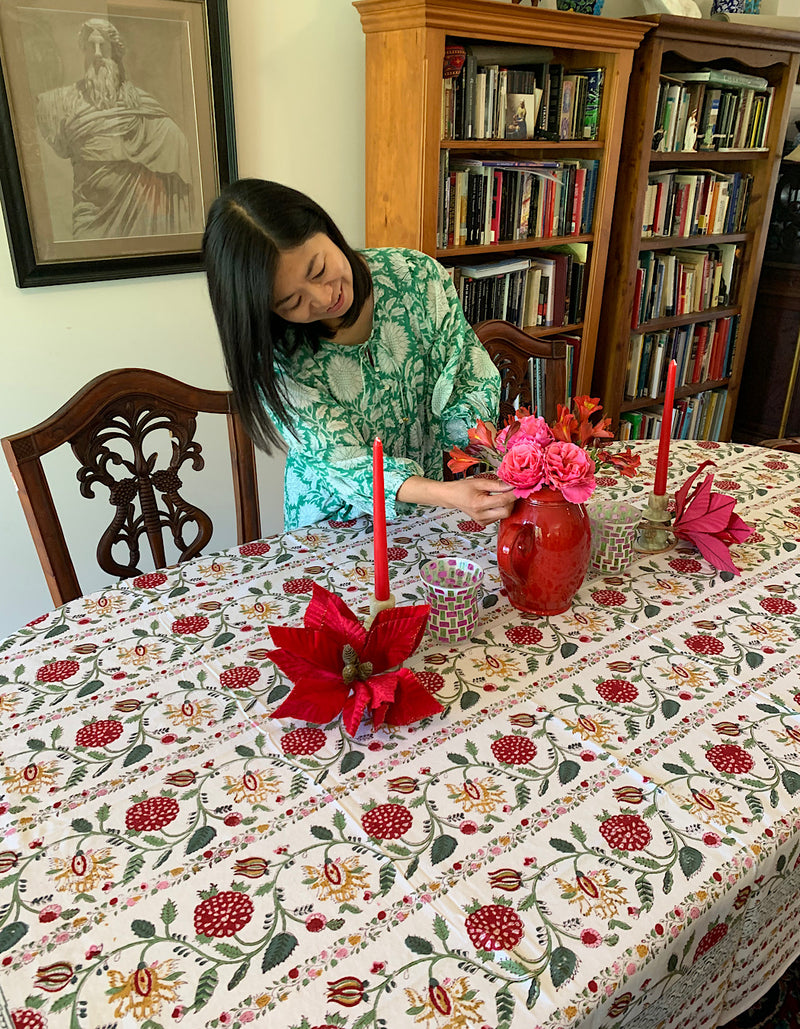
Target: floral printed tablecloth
601, 829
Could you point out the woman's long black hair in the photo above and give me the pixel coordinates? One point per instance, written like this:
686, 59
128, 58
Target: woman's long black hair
248, 226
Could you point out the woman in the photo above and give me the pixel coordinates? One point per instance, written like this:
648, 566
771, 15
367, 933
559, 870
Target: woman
326, 348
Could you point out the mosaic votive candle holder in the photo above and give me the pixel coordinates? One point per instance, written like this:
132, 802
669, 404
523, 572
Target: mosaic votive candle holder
452, 588
614, 525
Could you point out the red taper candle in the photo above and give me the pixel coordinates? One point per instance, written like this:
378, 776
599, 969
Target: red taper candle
379, 523
662, 462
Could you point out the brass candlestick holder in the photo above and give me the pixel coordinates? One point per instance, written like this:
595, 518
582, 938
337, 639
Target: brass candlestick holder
653, 536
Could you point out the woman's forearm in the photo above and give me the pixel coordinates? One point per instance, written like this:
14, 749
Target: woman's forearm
416, 490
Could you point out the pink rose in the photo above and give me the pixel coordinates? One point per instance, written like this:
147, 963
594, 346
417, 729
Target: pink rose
570, 470
523, 467
526, 430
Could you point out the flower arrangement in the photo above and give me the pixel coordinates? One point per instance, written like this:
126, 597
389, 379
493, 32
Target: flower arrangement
531, 455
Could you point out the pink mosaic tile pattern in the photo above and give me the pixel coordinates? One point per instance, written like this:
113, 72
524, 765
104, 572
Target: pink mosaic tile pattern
453, 589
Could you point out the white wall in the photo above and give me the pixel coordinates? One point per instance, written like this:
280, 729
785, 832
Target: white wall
298, 70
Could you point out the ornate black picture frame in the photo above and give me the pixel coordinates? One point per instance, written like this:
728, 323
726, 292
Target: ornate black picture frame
116, 134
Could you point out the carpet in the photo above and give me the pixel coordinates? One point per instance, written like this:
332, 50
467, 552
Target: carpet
779, 1008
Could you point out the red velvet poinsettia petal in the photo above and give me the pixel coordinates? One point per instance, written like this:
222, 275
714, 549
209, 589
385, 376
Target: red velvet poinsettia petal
383, 689
316, 648
328, 612
395, 635
323, 662
309, 703
356, 705
412, 701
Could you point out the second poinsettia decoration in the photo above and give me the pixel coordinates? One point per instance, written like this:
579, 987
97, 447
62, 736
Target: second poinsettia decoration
340, 667
531, 455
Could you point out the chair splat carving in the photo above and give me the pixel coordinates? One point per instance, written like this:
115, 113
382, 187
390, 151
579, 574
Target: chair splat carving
114, 426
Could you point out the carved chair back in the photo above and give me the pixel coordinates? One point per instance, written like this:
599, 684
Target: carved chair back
513, 351
114, 426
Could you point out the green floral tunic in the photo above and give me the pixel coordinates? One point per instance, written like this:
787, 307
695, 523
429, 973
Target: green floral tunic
419, 382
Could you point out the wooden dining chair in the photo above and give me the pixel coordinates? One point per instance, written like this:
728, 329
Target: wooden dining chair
114, 425
513, 352
791, 444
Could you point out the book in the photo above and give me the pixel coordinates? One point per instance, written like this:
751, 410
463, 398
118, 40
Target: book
722, 77
520, 114
594, 96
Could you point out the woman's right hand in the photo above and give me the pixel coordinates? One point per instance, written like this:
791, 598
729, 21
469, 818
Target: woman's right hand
484, 500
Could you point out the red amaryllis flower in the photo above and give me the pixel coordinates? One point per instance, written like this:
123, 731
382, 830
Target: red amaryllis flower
626, 462
708, 520
338, 666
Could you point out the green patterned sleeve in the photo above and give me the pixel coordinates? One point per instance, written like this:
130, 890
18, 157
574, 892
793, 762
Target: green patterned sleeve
468, 385
338, 461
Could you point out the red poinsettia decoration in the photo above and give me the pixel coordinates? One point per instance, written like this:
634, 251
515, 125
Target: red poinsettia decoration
338, 666
708, 520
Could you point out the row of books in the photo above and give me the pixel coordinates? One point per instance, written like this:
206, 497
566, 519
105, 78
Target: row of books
702, 351
546, 289
695, 202
487, 202
684, 280
714, 109
697, 417
495, 92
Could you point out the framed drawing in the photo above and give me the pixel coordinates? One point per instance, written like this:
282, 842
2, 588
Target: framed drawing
116, 133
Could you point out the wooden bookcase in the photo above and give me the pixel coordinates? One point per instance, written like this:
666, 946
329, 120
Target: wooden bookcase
405, 48
676, 45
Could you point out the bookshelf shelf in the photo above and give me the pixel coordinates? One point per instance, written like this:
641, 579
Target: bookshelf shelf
680, 394
699, 156
668, 242
405, 50
511, 246
496, 146
665, 102
655, 324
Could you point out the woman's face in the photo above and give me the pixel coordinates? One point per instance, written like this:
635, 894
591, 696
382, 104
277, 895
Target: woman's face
313, 283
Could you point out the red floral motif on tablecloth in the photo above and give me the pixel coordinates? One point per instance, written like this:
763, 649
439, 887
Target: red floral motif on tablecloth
608, 598
189, 625
149, 581
57, 671
494, 927
514, 750
730, 758
240, 677
303, 742
704, 644
626, 832
99, 734
387, 821
255, 549
778, 606
617, 691
223, 914
524, 635
152, 813
294, 587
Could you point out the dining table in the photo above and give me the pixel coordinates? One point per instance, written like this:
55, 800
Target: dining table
601, 828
